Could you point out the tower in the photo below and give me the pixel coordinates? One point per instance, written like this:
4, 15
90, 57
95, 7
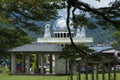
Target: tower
82, 33
78, 33
47, 31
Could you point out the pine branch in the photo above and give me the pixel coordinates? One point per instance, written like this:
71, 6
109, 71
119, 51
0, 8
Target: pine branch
86, 7
69, 30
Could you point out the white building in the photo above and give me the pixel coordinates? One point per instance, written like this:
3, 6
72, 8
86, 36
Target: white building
59, 34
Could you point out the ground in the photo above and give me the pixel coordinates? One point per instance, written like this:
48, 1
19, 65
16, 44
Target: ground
26, 77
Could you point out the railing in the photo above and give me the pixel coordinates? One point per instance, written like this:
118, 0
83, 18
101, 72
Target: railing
96, 70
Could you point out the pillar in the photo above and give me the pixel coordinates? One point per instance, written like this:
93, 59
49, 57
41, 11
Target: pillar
115, 53
38, 68
50, 63
60, 65
23, 62
58, 35
27, 61
13, 63
37, 63
66, 35
42, 63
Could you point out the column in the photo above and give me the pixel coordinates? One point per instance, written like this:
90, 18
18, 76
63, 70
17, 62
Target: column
38, 66
23, 62
57, 35
37, 63
51, 63
42, 63
115, 53
13, 63
60, 65
66, 34
47, 58
27, 61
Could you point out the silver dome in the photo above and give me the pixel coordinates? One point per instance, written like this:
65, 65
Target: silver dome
60, 24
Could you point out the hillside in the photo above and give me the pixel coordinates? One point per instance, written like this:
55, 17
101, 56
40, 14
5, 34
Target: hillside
100, 36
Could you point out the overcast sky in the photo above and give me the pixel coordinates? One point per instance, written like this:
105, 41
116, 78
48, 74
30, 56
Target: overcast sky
97, 4
93, 3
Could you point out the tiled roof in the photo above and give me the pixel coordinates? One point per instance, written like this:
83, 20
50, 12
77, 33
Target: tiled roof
37, 48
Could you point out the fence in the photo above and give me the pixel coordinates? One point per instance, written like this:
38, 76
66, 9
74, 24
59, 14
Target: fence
96, 70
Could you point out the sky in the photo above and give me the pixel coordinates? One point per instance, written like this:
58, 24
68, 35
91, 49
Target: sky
98, 4
93, 3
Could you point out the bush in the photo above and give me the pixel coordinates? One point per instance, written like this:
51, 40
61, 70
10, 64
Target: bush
4, 69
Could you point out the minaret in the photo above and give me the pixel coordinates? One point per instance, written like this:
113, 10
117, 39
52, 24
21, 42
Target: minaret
47, 31
82, 33
78, 32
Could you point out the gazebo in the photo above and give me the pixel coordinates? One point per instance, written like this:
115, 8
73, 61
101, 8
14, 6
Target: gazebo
40, 50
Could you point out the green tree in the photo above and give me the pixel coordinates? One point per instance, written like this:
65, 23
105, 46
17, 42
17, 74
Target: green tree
24, 13
105, 16
116, 36
71, 55
10, 38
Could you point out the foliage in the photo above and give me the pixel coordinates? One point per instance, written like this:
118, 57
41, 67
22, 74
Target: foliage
100, 36
10, 38
20, 12
24, 13
116, 36
104, 16
4, 70
69, 52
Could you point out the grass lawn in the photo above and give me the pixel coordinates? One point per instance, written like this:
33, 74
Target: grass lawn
26, 77
21, 77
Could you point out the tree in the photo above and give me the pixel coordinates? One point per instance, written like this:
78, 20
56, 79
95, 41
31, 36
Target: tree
10, 38
70, 54
116, 36
24, 13
105, 16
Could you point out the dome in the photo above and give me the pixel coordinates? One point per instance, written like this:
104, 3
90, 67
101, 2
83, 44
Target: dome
60, 24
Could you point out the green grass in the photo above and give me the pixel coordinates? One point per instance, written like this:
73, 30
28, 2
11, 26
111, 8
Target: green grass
21, 77
17, 77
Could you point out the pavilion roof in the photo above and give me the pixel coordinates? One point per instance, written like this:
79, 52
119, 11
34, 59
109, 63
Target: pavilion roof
41, 48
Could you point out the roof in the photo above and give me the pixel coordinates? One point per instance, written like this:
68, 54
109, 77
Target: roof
100, 48
111, 51
43, 48
104, 49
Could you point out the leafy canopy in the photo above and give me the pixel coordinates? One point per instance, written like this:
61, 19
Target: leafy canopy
10, 38
24, 13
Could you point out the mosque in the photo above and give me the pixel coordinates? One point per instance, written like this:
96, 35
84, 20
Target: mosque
48, 48
60, 35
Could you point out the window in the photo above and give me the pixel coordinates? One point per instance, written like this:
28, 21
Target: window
64, 35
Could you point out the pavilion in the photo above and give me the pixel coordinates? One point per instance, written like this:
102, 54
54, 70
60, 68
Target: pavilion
38, 49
